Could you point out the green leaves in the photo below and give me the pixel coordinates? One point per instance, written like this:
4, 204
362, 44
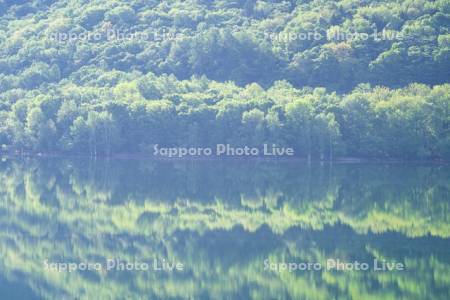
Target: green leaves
207, 72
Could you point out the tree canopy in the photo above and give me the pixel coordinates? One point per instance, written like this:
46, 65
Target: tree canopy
331, 78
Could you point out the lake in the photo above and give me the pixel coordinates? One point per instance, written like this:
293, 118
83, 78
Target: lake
234, 229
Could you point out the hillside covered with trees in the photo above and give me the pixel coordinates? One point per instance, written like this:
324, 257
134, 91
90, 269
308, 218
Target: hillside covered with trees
329, 78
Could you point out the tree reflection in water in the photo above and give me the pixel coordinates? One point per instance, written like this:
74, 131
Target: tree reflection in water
222, 220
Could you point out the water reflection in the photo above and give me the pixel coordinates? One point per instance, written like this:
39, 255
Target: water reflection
222, 220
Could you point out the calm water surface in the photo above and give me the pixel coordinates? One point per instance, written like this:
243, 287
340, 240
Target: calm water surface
232, 227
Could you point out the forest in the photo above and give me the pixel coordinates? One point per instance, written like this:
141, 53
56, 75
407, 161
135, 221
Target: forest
350, 78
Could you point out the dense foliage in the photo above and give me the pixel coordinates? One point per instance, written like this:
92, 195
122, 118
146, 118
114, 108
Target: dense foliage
110, 76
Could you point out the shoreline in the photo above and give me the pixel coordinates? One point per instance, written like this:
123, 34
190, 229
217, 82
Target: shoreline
128, 156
